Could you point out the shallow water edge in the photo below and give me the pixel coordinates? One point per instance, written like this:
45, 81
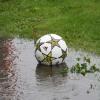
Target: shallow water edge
21, 78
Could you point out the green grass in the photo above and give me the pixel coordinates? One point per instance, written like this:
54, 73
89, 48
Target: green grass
77, 21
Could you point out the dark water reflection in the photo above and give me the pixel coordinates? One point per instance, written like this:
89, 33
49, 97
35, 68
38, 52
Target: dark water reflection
21, 78
50, 75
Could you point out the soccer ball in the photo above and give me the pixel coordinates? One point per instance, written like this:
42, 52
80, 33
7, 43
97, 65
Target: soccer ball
51, 49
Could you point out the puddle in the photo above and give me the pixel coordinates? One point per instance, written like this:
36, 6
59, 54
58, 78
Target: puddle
21, 78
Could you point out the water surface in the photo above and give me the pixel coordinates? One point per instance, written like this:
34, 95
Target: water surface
21, 78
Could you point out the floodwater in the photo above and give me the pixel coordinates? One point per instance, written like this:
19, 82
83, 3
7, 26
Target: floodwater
21, 78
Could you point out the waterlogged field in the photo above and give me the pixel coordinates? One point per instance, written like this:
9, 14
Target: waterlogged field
21, 78
77, 21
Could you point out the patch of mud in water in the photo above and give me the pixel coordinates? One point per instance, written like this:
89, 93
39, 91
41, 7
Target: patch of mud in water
21, 78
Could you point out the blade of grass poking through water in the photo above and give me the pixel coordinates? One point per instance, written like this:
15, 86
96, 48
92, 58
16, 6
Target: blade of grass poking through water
87, 60
93, 69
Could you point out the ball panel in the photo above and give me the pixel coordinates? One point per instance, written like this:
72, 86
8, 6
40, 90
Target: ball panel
64, 54
57, 61
38, 46
45, 38
39, 55
55, 36
62, 45
45, 48
54, 43
47, 59
56, 52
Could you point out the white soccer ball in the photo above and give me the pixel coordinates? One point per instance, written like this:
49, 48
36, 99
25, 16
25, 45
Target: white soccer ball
51, 49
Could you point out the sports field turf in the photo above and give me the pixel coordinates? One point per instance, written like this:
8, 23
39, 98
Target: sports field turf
77, 21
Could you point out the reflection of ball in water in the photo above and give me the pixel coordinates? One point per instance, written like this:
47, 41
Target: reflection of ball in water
51, 49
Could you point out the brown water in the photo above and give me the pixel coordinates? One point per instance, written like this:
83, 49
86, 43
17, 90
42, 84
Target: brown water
21, 78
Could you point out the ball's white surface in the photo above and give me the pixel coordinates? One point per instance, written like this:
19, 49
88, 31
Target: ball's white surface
51, 49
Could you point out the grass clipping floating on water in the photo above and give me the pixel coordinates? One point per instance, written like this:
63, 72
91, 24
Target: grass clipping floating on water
81, 68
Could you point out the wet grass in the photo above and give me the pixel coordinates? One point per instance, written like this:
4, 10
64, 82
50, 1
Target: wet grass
77, 21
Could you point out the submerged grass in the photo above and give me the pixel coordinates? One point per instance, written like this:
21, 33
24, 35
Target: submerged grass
81, 68
77, 21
